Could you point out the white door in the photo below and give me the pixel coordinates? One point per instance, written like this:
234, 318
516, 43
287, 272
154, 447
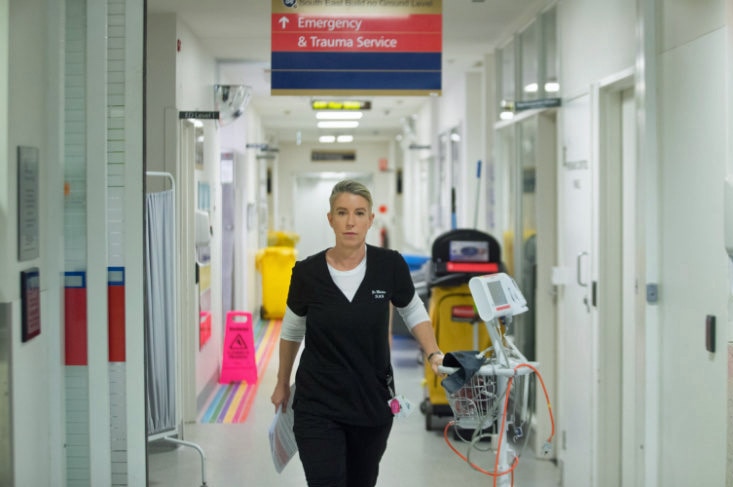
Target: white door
576, 340
311, 207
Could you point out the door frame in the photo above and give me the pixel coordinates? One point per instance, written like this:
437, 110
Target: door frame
619, 303
508, 173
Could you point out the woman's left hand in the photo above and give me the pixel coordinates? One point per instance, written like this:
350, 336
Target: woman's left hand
436, 361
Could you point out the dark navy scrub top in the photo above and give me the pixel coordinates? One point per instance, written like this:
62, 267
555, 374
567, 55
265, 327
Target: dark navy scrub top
345, 371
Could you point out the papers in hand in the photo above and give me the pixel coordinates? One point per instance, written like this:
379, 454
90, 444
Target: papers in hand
282, 439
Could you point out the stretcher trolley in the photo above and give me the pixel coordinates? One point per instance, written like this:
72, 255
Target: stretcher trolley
457, 256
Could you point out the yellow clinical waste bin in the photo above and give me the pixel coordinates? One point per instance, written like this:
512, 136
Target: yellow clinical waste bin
278, 238
275, 264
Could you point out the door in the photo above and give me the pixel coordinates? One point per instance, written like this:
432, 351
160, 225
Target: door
576, 340
525, 191
311, 206
540, 249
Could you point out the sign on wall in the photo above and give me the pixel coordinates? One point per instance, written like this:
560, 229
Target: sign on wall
28, 203
30, 295
356, 47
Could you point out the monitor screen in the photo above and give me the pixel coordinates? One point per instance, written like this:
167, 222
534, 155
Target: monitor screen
497, 293
468, 251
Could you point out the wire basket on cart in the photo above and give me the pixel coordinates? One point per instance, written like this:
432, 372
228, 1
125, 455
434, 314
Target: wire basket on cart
475, 406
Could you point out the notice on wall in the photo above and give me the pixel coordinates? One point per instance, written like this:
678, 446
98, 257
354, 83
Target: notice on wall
356, 47
30, 293
28, 206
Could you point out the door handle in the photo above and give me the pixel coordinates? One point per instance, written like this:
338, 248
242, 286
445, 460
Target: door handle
578, 274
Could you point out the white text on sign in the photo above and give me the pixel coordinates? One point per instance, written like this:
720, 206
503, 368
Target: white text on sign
359, 42
329, 24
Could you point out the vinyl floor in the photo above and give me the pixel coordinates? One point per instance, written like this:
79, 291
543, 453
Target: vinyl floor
238, 454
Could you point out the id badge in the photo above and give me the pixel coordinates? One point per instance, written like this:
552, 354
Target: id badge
400, 406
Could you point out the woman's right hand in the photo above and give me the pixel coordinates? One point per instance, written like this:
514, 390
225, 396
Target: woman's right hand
281, 395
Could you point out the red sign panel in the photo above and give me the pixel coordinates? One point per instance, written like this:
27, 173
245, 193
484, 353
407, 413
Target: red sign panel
407, 33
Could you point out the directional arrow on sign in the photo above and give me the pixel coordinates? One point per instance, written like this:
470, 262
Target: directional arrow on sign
284, 22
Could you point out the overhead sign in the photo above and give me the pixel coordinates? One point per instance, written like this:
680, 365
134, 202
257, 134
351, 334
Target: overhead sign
356, 47
198, 115
532, 104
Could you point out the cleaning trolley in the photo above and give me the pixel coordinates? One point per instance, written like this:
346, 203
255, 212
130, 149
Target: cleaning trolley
482, 386
456, 257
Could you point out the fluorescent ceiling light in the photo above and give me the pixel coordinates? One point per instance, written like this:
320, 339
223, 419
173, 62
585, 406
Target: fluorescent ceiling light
552, 87
338, 124
506, 115
343, 139
531, 88
339, 115
327, 139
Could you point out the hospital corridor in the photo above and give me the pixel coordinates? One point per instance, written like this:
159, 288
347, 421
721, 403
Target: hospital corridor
555, 176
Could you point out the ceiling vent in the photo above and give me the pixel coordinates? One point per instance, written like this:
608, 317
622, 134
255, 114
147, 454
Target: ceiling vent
230, 101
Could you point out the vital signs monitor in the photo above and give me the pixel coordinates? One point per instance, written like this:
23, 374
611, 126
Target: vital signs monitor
496, 296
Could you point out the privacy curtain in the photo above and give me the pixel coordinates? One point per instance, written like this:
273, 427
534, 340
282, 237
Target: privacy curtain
160, 351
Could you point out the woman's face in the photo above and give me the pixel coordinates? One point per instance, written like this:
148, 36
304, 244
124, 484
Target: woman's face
350, 217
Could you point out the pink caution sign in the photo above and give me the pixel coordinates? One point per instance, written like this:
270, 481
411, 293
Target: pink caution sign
239, 363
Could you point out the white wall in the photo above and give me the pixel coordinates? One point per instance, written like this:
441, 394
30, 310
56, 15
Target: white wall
729, 171
192, 72
194, 82
417, 193
296, 159
7, 245
234, 138
474, 130
35, 371
161, 30
596, 38
694, 282
253, 292
692, 148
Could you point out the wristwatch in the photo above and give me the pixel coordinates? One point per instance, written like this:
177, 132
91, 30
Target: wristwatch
432, 354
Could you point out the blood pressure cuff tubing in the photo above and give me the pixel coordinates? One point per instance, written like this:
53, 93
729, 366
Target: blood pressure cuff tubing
468, 364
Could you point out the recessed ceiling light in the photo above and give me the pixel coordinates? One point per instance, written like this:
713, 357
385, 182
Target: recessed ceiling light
552, 87
506, 115
339, 115
327, 139
343, 139
338, 124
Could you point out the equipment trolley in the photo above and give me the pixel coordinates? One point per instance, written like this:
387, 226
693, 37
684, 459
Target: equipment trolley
485, 388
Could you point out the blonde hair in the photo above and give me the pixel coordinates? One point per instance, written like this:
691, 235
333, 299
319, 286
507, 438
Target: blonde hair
352, 187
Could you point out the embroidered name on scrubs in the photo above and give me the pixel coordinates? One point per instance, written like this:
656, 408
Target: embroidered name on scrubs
378, 293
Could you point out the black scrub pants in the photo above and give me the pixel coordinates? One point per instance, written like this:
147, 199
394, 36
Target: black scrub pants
339, 455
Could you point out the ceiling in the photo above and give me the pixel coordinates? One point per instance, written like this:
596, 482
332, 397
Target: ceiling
237, 34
